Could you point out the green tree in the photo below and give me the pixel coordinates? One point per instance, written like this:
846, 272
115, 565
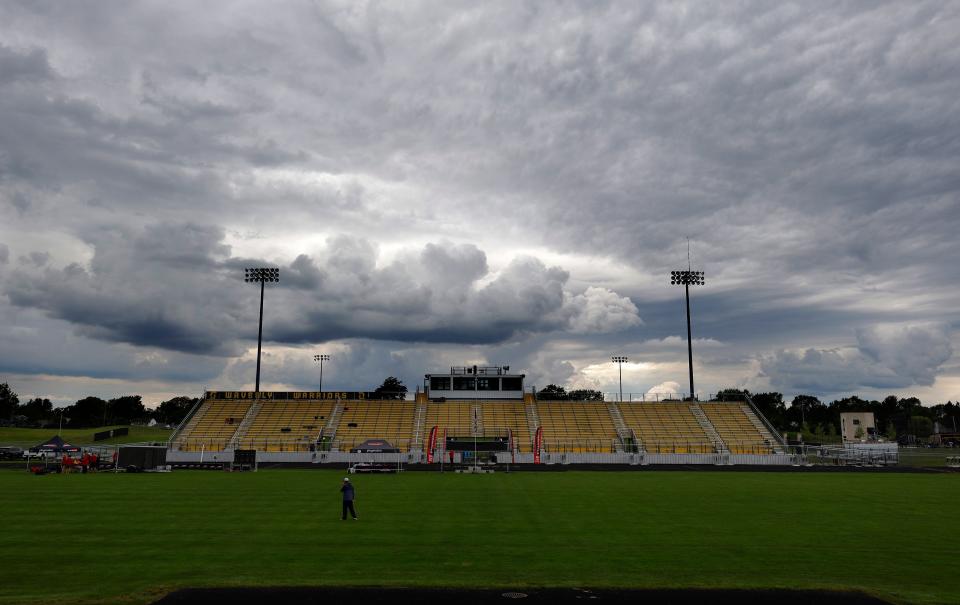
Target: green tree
126, 410
391, 388
37, 411
8, 402
552, 392
585, 395
86, 412
172, 411
921, 426
732, 395
772, 406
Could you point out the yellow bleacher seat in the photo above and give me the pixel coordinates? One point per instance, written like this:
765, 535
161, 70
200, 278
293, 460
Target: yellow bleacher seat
577, 426
666, 427
392, 421
212, 427
735, 429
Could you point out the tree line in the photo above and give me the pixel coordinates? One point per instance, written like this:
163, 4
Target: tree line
806, 414
89, 411
129, 409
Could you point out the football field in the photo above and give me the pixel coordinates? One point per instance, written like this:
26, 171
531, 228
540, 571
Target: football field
105, 538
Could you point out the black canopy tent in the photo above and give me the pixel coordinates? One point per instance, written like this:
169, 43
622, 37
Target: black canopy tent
56, 445
375, 446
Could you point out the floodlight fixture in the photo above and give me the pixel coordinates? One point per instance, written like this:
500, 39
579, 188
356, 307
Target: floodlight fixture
687, 278
320, 358
260, 275
620, 360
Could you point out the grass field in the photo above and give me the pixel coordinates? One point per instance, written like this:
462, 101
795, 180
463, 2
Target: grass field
107, 538
30, 437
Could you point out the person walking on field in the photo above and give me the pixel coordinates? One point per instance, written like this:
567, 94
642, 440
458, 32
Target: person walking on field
348, 495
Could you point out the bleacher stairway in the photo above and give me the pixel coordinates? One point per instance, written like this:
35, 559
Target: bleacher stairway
772, 441
330, 431
708, 428
248, 419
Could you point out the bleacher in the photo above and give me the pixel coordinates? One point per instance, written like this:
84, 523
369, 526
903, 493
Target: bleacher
455, 417
362, 420
212, 427
577, 426
666, 427
287, 426
297, 425
734, 427
502, 415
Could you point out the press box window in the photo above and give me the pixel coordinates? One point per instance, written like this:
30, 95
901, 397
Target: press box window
463, 384
488, 384
440, 383
512, 384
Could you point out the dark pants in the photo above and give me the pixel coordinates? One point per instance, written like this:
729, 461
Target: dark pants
348, 505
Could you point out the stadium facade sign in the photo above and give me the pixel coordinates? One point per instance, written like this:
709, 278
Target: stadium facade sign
286, 395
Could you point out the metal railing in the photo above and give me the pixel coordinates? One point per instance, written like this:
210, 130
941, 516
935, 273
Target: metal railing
190, 414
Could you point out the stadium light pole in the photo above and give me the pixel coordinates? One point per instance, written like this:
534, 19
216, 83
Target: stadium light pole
320, 359
620, 360
686, 279
260, 275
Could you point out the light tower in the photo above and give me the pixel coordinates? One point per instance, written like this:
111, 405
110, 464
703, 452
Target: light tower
686, 279
322, 357
261, 275
620, 360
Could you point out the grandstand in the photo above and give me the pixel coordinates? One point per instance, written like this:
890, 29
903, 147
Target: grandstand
577, 426
325, 427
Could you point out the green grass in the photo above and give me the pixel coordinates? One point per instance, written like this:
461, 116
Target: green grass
133, 537
926, 457
30, 437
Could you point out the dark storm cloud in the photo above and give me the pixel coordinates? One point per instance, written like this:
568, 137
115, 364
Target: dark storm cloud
886, 357
809, 152
126, 294
27, 64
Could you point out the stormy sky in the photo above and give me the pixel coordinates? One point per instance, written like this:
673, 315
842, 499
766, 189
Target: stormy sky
447, 183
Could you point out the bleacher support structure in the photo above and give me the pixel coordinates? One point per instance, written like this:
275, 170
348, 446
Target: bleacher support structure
321, 429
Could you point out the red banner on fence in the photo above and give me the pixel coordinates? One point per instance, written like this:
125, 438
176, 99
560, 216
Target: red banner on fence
537, 441
431, 444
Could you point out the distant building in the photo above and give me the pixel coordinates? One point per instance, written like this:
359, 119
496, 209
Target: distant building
858, 427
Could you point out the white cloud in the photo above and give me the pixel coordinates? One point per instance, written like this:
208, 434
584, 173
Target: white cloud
664, 388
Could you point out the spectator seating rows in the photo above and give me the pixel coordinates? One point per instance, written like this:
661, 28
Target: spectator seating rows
577, 426
454, 417
213, 426
498, 416
287, 426
362, 420
734, 427
568, 426
666, 427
